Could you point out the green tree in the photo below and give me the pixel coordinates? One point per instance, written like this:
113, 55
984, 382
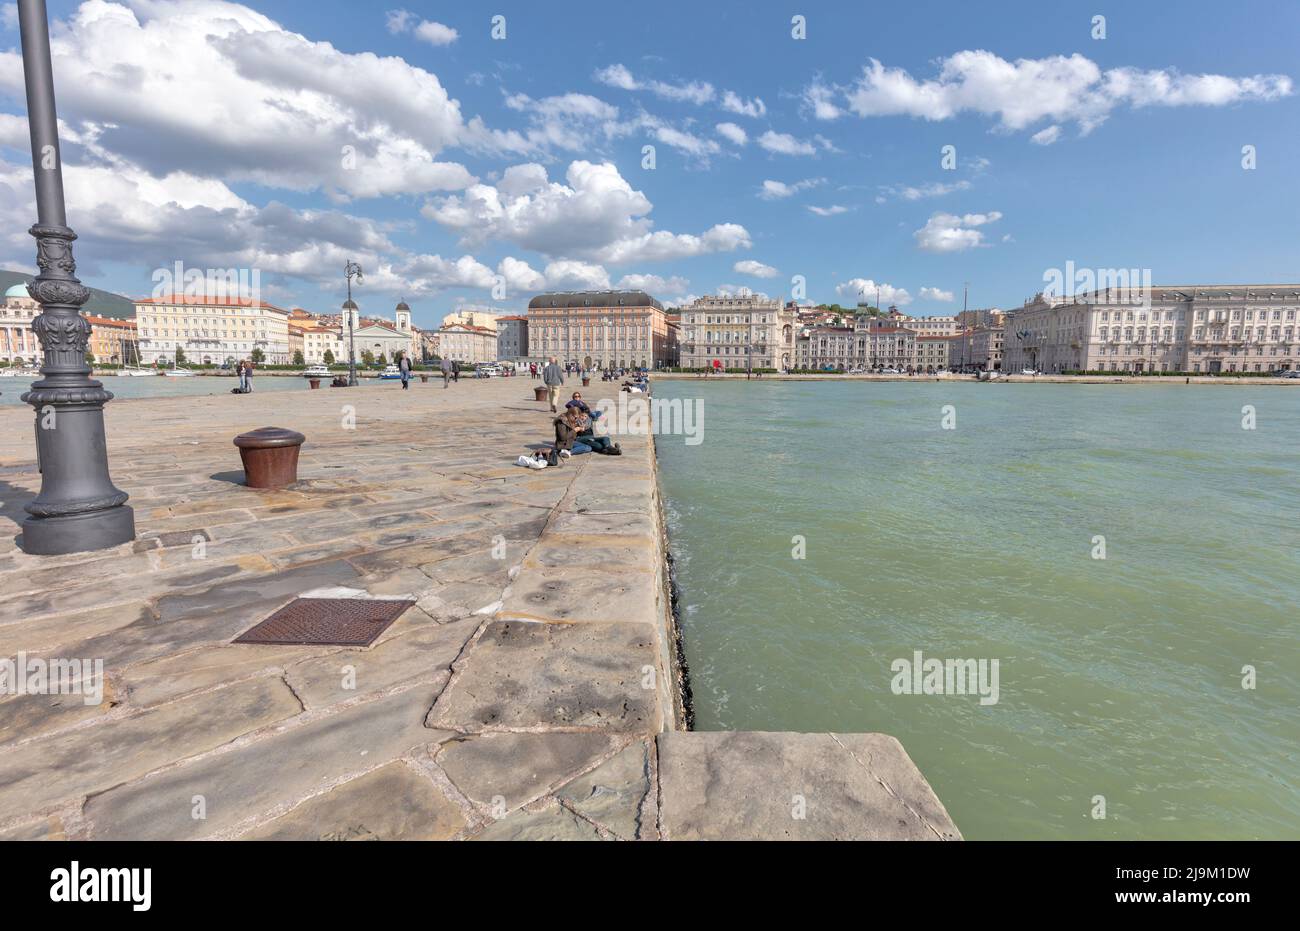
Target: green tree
329, 357
382, 360
367, 357
90, 358
258, 357
180, 355
297, 357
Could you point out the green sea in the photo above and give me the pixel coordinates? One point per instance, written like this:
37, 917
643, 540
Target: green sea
1121, 679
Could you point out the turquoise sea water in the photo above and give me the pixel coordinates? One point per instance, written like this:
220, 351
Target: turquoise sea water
1119, 678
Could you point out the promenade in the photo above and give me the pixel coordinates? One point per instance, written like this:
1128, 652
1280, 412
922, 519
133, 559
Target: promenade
529, 692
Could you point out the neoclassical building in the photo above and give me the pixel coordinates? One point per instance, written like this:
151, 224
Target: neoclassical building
18, 342
740, 331
1197, 329
601, 329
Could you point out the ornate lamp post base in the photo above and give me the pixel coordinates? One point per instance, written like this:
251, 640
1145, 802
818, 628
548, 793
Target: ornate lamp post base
78, 533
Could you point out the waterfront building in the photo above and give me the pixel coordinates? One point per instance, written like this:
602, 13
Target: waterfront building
741, 331
1196, 329
476, 318
211, 330
512, 338
18, 342
977, 349
601, 329
987, 317
871, 343
112, 341
465, 343
932, 353
319, 336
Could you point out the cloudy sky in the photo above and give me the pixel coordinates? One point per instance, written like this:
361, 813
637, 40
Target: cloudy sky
910, 151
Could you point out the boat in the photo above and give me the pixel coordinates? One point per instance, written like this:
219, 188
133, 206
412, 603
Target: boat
128, 370
319, 370
178, 373
391, 372
132, 372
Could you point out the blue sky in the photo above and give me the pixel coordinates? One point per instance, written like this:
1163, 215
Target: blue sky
483, 170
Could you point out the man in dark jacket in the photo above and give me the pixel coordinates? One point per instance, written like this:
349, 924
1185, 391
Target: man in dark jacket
404, 366
455, 371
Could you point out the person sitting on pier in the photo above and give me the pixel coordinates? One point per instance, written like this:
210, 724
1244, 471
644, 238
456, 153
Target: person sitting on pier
567, 427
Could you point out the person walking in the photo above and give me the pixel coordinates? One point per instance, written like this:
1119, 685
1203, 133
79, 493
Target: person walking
455, 371
553, 378
404, 366
248, 376
243, 377
445, 366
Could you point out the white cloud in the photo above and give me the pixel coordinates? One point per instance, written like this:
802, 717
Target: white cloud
696, 92
1046, 136
399, 21
732, 133
785, 144
570, 122
919, 192
734, 103
436, 33
217, 89
831, 211
935, 294
569, 275
820, 99
777, 190
946, 232
596, 215
865, 290
654, 284
757, 269
1020, 93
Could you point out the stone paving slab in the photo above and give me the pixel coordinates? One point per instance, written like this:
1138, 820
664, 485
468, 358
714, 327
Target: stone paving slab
725, 785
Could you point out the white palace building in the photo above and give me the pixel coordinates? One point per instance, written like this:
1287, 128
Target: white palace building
1196, 329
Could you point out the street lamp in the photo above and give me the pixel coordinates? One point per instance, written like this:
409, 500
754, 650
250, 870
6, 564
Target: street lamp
78, 509
352, 270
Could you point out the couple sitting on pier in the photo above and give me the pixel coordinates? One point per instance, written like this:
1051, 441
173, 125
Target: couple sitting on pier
575, 433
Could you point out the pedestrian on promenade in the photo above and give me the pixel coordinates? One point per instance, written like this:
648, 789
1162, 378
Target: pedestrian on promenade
243, 378
404, 365
446, 371
248, 376
532, 370
553, 378
455, 371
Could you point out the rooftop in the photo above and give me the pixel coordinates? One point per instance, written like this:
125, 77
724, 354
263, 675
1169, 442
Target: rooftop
594, 299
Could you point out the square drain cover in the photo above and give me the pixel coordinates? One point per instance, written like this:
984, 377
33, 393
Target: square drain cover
344, 622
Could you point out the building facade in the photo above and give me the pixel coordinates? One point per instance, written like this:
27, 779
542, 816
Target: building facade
872, 344
463, 343
977, 349
932, 353
476, 318
512, 338
211, 330
112, 341
1193, 329
601, 329
18, 342
740, 332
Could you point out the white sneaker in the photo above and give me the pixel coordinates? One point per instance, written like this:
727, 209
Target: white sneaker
566, 454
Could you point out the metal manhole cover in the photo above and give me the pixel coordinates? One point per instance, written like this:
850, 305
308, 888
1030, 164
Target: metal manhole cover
344, 622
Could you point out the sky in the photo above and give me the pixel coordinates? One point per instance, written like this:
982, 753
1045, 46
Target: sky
821, 151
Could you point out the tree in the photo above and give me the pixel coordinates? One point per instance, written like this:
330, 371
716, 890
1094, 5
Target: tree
329, 356
258, 357
367, 357
297, 357
180, 355
382, 360
90, 358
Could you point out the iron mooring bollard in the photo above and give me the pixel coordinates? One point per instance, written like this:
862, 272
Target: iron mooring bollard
270, 456
78, 509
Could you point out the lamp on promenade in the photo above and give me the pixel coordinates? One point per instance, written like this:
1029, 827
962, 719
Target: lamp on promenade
78, 508
352, 270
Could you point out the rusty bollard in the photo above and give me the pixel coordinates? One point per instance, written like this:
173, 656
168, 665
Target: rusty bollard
314, 382
540, 393
270, 456
423, 378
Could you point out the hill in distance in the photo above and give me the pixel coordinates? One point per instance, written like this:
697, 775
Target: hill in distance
101, 303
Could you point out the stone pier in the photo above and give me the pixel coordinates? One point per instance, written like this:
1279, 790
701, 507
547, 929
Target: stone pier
531, 691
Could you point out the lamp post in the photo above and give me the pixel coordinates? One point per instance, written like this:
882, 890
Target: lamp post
352, 270
78, 508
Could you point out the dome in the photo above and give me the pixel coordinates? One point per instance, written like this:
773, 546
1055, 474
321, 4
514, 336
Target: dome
18, 290
402, 305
